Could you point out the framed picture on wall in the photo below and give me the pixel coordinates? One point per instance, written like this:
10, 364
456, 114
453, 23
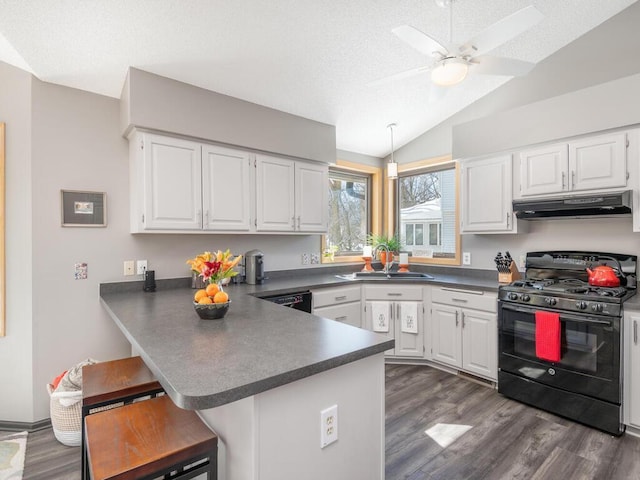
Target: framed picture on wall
84, 209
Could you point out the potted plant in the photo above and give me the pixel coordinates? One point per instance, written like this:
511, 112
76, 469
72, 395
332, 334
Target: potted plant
391, 242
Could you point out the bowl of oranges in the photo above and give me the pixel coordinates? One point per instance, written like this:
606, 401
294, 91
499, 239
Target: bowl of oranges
211, 303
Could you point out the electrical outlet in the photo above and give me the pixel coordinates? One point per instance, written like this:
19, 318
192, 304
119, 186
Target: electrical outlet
315, 258
305, 259
141, 266
129, 267
328, 426
466, 258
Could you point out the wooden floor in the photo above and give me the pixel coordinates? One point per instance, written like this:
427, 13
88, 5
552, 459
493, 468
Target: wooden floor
508, 440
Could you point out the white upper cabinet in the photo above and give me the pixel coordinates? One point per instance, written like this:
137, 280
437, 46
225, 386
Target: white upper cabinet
291, 196
225, 188
598, 162
589, 164
171, 191
544, 170
487, 196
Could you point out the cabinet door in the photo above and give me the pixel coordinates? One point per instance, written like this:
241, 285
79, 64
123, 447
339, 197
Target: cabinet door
487, 196
226, 193
368, 323
445, 338
598, 162
408, 343
275, 194
480, 343
172, 184
632, 369
544, 170
311, 192
349, 313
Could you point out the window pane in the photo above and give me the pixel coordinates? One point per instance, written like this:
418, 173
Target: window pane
348, 213
409, 234
429, 199
419, 234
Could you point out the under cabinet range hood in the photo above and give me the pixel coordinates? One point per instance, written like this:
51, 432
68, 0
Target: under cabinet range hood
604, 204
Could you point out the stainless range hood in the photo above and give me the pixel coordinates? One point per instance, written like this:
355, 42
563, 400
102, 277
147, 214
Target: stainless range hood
605, 204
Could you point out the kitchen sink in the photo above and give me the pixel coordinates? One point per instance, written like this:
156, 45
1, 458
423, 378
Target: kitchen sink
386, 276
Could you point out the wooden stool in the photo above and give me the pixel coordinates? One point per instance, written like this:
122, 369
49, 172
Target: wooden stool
113, 384
150, 439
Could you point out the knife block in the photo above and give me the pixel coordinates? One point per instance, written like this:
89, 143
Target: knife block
512, 276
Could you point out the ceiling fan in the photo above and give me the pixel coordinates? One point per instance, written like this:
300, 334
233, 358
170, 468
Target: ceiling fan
451, 63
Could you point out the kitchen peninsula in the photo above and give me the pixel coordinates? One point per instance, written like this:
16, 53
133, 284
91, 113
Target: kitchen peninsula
260, 378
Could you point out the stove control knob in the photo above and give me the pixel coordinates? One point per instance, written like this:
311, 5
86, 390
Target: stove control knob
581, 305
550, 300
513, 296
597, 307
525, 297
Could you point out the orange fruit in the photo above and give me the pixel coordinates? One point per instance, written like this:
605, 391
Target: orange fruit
221, 297
212, 289
204, 300
199, 294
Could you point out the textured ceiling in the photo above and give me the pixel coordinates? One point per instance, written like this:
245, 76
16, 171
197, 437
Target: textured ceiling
306, 57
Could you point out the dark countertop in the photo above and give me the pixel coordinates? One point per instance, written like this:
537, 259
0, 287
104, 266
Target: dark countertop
256, 347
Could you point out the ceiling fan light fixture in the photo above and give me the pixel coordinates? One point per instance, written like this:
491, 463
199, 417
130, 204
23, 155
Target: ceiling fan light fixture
449, 72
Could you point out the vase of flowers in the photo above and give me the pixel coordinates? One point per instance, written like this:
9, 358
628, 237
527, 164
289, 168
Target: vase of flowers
212, 302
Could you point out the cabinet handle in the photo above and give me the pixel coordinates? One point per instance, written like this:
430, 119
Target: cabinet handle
398, 311
456, 318
341, 318
390, 310
508, 218
394, 294
563, 175
462, 315
298, 222
341, 297
573, 179
293, 222
461, 300
635, 332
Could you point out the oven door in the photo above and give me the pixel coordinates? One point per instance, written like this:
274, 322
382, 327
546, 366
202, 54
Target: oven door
590, 352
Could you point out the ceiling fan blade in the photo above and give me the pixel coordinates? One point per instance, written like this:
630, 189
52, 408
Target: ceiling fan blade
419, 40
399, 76
502, 31
489, 65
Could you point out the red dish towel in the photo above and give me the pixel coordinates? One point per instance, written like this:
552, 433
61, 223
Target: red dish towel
548, 336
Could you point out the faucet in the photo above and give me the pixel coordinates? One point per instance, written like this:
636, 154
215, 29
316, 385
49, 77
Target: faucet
387, 264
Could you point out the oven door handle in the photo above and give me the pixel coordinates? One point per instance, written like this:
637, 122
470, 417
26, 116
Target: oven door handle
563, 316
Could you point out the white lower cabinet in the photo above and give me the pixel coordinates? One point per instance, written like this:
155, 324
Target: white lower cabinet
342, 304
631, 398
403, 310
464, 331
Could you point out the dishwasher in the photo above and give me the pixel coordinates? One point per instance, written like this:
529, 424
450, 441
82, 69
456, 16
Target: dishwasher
298, 300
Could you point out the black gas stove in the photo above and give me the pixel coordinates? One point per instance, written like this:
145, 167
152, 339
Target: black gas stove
559, 280
583, 382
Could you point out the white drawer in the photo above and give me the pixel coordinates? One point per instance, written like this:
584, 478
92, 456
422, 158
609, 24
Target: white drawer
334, 296
393, 292
350, 313
475, 299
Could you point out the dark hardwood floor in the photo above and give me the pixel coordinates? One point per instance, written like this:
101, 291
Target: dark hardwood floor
507, 440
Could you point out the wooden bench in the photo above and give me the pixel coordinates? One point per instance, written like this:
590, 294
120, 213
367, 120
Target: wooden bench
111, 384
146, 440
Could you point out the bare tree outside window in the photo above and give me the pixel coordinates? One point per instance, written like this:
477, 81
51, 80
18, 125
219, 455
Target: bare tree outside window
348, 213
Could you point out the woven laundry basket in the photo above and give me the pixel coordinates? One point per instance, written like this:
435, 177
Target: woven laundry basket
66, 414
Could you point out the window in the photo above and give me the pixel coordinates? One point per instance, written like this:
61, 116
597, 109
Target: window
427, 212
349, 213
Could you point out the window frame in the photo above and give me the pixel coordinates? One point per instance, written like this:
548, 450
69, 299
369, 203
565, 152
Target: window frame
424, 166
375, 206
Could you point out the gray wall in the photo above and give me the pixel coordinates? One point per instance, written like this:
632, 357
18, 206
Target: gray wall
159, 103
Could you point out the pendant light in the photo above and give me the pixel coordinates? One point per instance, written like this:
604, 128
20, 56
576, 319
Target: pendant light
392, 166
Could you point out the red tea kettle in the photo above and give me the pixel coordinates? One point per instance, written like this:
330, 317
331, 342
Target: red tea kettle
603, 276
